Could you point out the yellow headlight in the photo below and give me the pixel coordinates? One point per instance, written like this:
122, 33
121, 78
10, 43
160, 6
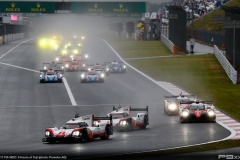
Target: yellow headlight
75, 51
82, 37
64, 51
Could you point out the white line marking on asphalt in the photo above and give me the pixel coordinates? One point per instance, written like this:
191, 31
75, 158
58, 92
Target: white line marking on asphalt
20, 67
69, 92
64, 79
15, 47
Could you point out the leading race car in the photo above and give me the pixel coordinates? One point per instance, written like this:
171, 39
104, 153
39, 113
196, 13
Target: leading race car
197, 111
80, 129
74, 65
51, 76
122, 120
116, 67
100, 67
92, 75
171, 107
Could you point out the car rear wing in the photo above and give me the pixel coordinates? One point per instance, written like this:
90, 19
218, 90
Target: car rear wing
44, 71
111, 62
139, 109
103, 118
184, 95
204, 102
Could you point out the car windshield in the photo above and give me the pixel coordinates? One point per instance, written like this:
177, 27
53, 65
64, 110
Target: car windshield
196, 106
51, 73
92, 73
71, 126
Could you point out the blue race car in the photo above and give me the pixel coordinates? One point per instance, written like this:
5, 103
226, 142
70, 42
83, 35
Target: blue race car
51, 76
116, 67
92, 75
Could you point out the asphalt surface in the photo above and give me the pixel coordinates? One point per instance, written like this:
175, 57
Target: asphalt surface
27, 107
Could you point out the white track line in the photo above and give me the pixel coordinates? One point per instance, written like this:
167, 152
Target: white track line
64, 79
15, 47
69, 92
19, 67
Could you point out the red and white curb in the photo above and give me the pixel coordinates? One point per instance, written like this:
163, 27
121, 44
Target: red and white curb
221, 118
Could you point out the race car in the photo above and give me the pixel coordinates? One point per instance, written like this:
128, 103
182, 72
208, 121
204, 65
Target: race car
80, 129
197, 111
92, 75
98, 66
47, 43
116, 67
64, 58
51, 76
53, 65
74, 65
171, 107
122, 121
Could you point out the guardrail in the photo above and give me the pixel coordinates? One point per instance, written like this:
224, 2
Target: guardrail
13, 37
231, 72
167, 42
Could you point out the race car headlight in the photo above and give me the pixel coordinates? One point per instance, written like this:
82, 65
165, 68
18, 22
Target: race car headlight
89, 69
43, 42
76, 133
102, 75
62, 67
107, 69
60, 75
79, 44
211, 113
71, 56
67, 65
86, 56
82, 37
95, 123
45, 67
75, 51
64, 51
82, 75
172, 106
52, 42
83, 65
40, 75
57, 59
69, 44
185, 113
124, 66
123, 123
47, 133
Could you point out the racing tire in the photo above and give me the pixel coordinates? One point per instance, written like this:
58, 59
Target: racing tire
181, 121
107, 133
145, 123
82, 81
130, 127
41, 81
51, 141
102, 81
84, 137
60, 81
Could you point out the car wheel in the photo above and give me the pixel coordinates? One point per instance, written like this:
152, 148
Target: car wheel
107, 133
130, 127
51, 141
84, 137
82, 81
102, 80
41, 81
60, 81
181, 121
145, 123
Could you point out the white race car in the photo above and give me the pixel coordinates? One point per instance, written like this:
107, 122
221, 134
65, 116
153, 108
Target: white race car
171, 107
80, 129
123, 121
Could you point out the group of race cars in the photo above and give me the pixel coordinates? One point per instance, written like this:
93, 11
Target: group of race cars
188, 108
85, 128
71, 58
